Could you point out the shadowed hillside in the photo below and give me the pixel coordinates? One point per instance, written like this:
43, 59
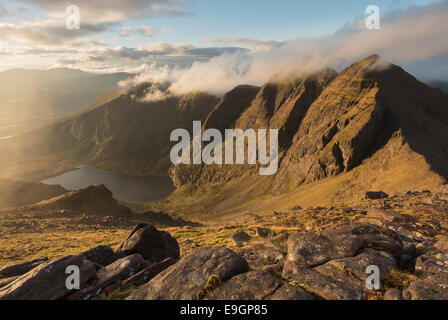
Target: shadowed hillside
125, 134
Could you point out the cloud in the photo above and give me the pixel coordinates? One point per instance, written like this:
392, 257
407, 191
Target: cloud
124, 58
126, 32
418, 33
96, 17
255, 44
113, 11
48, 32
149, 31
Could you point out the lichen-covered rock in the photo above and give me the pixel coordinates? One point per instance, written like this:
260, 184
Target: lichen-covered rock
47, 281
239, 238
393, 294
312, 249
319, 284
185, 279
258, 285
102, 255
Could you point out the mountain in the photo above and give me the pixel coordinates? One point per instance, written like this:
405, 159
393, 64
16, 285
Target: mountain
279, 106
33, 98
359, 114
127, 133
372, 126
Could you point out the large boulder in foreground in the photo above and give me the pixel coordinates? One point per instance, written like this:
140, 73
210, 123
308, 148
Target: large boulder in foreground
432, 269
185, 279
312, 249
19, 269
322, 286
47, 281
103, 255
258, 285
121, 270
152, 244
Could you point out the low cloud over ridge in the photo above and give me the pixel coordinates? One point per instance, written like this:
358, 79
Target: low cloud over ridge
415, 34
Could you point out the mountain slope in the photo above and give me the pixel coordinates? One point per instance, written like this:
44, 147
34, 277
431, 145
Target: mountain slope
126, 134
357, 114
279, 106
35, 98
372, 127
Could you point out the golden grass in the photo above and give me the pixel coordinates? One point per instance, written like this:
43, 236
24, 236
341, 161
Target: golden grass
27, 246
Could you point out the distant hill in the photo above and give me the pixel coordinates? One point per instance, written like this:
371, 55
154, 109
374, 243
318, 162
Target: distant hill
118, 132
29, 98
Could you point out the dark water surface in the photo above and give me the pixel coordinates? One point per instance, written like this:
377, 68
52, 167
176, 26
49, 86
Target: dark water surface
127, 188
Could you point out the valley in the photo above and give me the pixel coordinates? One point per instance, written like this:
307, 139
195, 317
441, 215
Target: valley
361, 157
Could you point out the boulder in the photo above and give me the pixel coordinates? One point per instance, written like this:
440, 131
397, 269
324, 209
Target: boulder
187, 278
189, 244
110, 277
409, 249
382, 242
357, 265
442, 245
102, 255
47, 281
239, 238
312, 249
260, 255
5, 281
375, 195
152, 244
426, 290
341, 276
148, 273
407, 262
393, 294
121, 270
278, 242
320, 285
20, 268
380, 239
264, 233
257, 285
384, 215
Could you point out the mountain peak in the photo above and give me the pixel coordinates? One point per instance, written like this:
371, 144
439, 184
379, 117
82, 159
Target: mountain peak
371, 63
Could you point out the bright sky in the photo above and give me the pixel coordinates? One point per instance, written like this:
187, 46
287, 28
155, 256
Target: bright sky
118, 34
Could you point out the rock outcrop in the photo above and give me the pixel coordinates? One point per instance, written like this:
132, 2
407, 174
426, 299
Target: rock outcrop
93, 200
152, 244
101, 270
186, 279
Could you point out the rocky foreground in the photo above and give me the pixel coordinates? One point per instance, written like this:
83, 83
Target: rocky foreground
324, 258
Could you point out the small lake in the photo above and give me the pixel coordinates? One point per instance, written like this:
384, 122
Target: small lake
133, 189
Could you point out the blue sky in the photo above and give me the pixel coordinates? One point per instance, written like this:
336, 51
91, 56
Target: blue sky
118, 35
278, 20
